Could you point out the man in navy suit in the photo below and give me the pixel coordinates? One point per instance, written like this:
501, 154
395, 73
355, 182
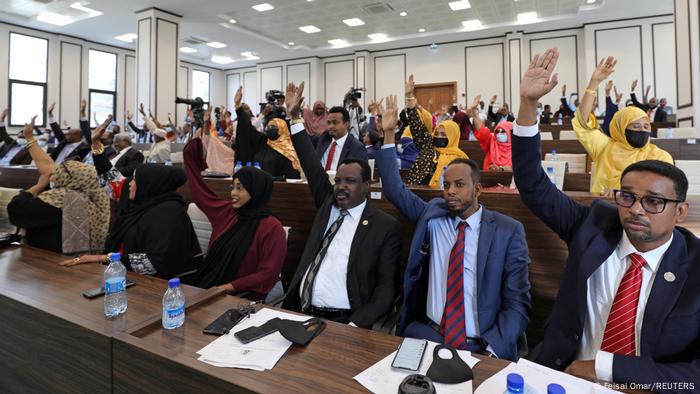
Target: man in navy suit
336, 144
628, 308
466, 283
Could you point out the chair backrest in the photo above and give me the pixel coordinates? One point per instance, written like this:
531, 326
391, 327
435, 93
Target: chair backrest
202, 226
576, 161
176, 157
567, 135
692, 171
679, 133
6, 194
546, 136
559, 168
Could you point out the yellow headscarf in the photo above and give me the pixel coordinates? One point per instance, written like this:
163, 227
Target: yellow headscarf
448, 153
427, 120
619, 154
283, 144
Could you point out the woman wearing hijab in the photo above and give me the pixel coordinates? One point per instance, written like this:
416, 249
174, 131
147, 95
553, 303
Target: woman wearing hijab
315, 119
496, 146
248, 245
630, 130
420, 126
465, 126
70, 217
446, 141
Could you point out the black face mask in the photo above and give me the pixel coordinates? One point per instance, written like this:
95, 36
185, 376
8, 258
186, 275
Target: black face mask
272, 133
440, 142
637, 139
450, 371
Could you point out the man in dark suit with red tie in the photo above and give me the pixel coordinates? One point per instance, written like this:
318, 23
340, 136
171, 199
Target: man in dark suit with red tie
628, 308
336, 143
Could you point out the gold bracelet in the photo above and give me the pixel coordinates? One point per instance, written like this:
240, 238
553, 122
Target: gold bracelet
30, 144
100, 149
591, 92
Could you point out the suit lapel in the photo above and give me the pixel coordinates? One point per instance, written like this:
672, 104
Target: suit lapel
488, 227
366, 221
323, 144
664, 292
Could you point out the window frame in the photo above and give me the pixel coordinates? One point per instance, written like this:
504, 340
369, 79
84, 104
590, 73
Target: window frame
11, 81
102, 91
192, 95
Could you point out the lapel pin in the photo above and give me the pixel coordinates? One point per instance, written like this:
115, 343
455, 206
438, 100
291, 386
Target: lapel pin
669, 276
365, 222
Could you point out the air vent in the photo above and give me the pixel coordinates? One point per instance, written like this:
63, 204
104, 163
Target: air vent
195, 41
377, 8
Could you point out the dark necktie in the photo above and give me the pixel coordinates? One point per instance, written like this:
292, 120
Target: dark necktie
308, 284
453, 322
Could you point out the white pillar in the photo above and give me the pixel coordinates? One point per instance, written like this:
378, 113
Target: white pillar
687, 25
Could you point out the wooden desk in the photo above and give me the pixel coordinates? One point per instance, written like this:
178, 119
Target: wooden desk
167, 360
53, 337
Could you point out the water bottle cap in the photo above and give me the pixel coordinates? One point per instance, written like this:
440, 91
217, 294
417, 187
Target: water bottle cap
555, 389
550, 169
515, 382
554, 151
248, 163
238, 163
115, 257
174, 282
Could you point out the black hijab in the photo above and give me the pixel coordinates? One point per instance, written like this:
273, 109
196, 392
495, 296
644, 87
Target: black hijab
226, 254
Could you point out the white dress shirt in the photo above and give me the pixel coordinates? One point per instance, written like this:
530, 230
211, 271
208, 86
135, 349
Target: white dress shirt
443, 234
330, 286
116, 158
602, 287
336, 155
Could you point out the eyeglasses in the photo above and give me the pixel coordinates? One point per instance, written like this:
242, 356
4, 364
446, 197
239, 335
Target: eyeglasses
650, 204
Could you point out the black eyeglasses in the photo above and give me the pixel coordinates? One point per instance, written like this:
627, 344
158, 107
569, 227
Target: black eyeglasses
650, 204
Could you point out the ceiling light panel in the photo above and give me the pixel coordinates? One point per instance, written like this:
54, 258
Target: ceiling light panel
263, 7
338, 43
221, 59
216, 44
187, 50
129, 37
472, 25
459, 5
54, 18
352, 22
310, 29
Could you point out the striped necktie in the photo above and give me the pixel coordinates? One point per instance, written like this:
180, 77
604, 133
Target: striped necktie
308, 284
619, 336
453, 322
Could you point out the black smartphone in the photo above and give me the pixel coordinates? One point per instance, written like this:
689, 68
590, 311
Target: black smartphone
252, 333
99, 291
410, 354
224, 323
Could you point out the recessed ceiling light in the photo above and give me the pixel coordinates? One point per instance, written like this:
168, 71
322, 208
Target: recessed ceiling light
129, 37
352, 22
221, 59
250, 55
591, 1
263, 7
378, 37
92, 13
403, 13
338, 43
421, 30
459, 5
187, 50
527, 17
290, 43
473, 24
54, 18
232, 21
309, 29
216, 44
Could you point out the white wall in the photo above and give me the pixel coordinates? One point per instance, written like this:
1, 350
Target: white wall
687, 29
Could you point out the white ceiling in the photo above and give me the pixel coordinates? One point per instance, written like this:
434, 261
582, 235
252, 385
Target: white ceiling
267, 33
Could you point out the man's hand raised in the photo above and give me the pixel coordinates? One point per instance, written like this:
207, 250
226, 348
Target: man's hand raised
390, 118
539, 79
100, 130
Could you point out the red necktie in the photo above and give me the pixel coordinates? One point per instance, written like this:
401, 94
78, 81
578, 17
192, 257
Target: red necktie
329, 160
453, 325
620, 328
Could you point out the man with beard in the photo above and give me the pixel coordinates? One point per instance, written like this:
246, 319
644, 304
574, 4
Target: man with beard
466, 283
651, 108
628, 306
348, 270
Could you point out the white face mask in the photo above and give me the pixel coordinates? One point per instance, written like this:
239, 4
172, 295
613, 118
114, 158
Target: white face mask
42, 143
502, 138
399, 148
21, 141
52, 185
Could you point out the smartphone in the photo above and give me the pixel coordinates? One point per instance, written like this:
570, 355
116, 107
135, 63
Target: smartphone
252, 333
410, 354
224, 323
99, 291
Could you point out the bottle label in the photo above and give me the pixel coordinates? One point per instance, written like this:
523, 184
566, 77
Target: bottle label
115, 286
175, 313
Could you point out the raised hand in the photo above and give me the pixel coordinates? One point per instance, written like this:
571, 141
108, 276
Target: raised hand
50, 111
3, 115
493, 98
390, 118
634, 85
83, 107
129, 115
141, 110
473, 108
410, 86
618, 96
608, 87
539, 78
563, 90
238, 97
603, 71
28, 130
293, 98
100, 130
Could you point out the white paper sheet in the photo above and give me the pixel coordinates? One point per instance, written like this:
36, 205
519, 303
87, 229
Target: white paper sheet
537, 377
259, 355
381, 378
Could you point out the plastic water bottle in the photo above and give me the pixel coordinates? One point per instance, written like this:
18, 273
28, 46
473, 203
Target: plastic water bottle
554, 155
515, 384
115, 287
552, 176
248, 164
669, 132
442, 178
554, 388
237, 167
560, 120
173, 305
257, 165
168, 162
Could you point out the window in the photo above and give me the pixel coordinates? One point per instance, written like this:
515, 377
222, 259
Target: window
28, 69
102, 84
200, 85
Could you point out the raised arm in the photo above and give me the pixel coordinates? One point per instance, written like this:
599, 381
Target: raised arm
102, 163
44, 163
53, 123
4, 137
84, 121
585, 123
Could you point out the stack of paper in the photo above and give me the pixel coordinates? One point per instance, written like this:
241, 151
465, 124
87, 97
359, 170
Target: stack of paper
537, 378
382, 378
259, 355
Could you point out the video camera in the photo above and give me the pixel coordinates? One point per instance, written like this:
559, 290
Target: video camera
197, 107
274, 98
355, 93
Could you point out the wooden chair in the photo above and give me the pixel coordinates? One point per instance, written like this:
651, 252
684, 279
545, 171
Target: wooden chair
576, 161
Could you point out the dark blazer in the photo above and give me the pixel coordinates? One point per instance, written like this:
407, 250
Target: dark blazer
503, 288
670, 336
352, 147
659, 116
374, 254
81, 150
494, 117
21, 157
127, 163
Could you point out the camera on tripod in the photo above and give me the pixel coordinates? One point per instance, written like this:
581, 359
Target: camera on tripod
355, 94
197, 107
275, 99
